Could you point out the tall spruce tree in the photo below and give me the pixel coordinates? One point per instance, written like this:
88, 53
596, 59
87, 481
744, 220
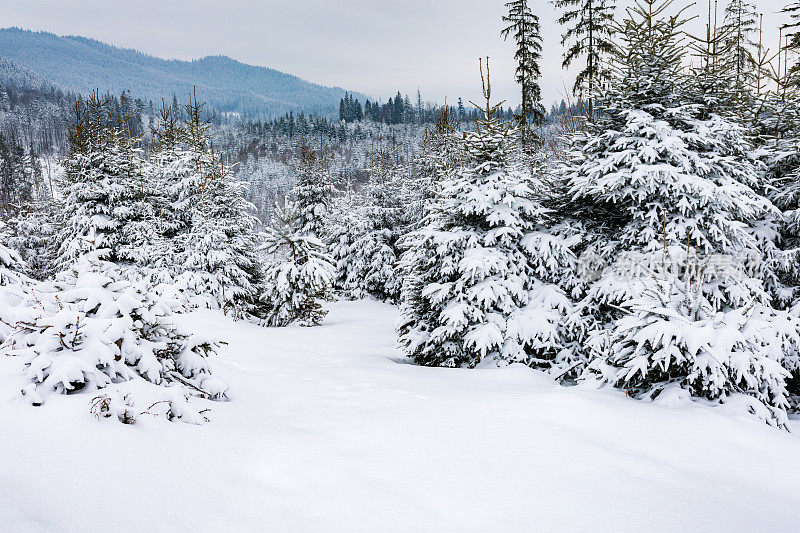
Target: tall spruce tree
170, 165
589, 25
138, 227
740, 27
714, 79
523, 26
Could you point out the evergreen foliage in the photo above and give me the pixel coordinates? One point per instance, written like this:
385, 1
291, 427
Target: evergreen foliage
674, 338
91, 327
299, 274
524, 26
366, 230
313, 193
12, 265
740, 27
667, 180
473, 290
104, 189
590, 34
32, 235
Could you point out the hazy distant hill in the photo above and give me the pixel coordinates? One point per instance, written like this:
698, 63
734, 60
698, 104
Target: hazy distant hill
81, 65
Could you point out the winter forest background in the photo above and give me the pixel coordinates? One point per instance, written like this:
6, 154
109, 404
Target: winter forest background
640, 237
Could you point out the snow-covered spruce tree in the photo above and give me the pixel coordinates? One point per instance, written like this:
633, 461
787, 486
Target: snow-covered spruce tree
313, 193
218, 252
92, 327
774, 122
725, 100
138, 228
216, 255
714, 72
105, 192
170, 165
343, 227
371, 264
87, 206
588, 29
729, 66
782, 184
739, 48
299, 274
475, 286
31, 235
523, 24
440, 155
662, 176
12, 266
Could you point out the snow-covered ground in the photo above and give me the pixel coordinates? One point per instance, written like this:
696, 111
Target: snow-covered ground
329, 429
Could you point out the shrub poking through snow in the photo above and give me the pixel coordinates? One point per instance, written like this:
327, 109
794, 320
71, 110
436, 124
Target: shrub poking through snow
173, 403
92, 327
299, 274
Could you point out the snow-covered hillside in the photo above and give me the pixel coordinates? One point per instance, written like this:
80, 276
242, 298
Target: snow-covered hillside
328, 429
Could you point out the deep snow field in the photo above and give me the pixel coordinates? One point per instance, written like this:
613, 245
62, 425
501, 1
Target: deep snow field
328, 429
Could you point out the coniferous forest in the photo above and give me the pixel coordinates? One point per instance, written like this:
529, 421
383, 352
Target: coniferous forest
608, 286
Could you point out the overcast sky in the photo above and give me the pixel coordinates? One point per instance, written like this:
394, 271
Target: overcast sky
373, 46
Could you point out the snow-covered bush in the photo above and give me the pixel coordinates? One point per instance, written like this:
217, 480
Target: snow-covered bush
673, 336
299, 274
92, 326
172, 402
12, 270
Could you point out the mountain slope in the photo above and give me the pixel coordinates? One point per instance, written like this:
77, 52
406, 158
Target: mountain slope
81, 65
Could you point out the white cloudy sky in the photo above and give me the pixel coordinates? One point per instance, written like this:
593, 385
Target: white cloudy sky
374, 46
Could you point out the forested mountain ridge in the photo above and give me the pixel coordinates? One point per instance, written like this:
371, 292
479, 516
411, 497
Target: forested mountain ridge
81, 65
33, 112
